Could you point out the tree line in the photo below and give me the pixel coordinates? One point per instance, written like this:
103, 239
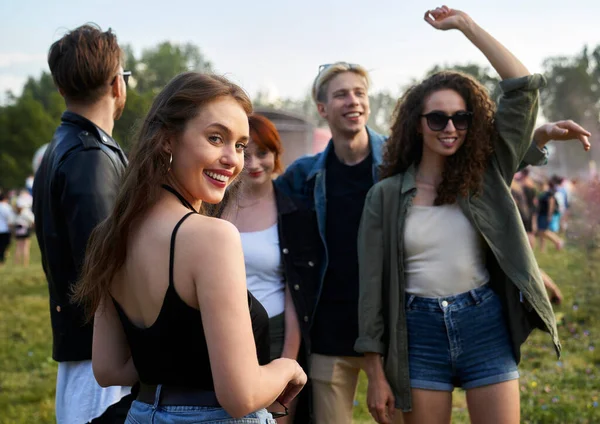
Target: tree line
29, 120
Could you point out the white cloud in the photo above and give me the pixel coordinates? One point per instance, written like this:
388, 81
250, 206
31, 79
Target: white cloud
10, 59
13, 83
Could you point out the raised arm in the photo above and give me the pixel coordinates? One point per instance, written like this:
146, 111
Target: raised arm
518, 106
502, 60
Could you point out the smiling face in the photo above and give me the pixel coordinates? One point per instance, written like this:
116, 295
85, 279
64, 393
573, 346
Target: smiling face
447, 141
346, 107
259, 164
209, 154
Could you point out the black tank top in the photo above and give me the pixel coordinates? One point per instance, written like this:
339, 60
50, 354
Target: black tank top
173, 350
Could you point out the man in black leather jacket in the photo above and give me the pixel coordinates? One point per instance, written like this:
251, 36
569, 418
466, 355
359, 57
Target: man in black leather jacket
75, 189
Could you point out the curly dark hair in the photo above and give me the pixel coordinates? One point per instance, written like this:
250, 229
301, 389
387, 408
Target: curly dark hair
463, 171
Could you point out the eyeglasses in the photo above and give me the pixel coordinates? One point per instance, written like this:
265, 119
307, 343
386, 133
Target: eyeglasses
438, 121
280, 414
327, 65
125, 74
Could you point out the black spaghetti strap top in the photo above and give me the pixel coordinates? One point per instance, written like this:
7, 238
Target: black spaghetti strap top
173, 350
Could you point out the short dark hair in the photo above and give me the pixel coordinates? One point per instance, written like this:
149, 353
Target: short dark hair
83, 63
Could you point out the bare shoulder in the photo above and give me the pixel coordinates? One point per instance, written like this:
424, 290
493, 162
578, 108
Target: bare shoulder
201, 229
211, 245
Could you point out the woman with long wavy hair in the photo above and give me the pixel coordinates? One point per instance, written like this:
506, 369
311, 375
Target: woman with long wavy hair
165, 283
449, 287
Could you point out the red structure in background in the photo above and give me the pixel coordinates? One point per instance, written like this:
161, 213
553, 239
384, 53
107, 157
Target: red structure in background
320, 139
299, 136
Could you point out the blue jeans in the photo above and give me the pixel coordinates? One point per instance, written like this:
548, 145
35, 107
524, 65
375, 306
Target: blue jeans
144, 413
458, 341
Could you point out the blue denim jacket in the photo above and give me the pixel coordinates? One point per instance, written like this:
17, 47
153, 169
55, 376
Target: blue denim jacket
305, 179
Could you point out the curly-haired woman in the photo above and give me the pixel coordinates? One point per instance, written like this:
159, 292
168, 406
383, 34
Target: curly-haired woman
449, 286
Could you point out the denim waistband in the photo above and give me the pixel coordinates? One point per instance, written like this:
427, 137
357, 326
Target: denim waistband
457, 301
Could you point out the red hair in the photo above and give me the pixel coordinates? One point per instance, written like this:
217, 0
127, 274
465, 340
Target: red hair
266, 136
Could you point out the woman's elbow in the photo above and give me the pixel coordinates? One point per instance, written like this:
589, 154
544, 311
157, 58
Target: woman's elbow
236, 405
103, 378
106, 376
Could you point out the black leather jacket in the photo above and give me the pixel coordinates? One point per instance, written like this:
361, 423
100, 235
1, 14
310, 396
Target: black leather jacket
74, 189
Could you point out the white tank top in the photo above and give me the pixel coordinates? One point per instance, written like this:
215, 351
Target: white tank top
264, 271
444, 254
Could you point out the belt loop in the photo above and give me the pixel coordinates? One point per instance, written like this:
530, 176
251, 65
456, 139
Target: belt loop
475, 296
157, 396
410, 300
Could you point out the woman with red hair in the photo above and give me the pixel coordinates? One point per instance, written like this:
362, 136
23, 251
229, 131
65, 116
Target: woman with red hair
270, 242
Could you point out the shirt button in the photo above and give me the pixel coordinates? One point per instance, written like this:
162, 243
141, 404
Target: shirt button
285, 251
311, 264
58, 309
103, 138
296, 287
305, 318
444, 303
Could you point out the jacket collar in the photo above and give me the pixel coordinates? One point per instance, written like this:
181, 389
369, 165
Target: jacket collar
86, 125
285, 204
409, 181
376, 142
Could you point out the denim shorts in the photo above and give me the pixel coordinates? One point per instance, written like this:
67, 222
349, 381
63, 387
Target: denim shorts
458, 341
144, 413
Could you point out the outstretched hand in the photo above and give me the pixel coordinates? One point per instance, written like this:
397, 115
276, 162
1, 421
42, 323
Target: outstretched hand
444, 18
562, 130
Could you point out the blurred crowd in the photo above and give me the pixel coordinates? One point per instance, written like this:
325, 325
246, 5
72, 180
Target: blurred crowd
16, 222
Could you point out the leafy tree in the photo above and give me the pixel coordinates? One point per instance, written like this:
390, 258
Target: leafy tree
24, 127
482, 74
160, 64
573, 92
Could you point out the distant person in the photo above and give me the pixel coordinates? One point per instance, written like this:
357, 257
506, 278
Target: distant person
266, 219
518, 189
529, 205
6, 222
548, 222
167, 283
23, 227
74, 189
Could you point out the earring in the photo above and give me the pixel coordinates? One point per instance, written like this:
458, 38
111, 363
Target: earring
170, 161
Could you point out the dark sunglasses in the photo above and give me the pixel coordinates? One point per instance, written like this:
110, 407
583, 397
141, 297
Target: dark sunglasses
437, 121
327, 65
276, 415
125, 74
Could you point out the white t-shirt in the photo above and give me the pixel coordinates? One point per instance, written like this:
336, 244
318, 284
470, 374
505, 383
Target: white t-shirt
79, 398
264, 271
7, 217
23, 222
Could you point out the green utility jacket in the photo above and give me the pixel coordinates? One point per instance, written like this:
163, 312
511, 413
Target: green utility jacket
513, 270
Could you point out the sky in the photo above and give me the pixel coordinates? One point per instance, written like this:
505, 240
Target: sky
277, 46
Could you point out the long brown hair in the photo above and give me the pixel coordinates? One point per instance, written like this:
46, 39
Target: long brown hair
173, 107
463, 171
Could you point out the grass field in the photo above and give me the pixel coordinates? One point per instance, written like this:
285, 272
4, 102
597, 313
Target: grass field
552, 391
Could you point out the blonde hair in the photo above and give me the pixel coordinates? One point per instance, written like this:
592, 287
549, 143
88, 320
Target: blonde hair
328, 72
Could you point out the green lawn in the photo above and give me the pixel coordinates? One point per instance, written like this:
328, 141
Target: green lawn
564, 392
